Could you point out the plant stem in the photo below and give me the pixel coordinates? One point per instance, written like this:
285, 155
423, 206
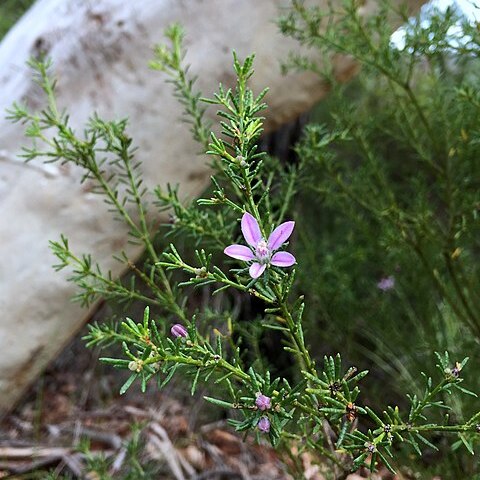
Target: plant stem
294, 333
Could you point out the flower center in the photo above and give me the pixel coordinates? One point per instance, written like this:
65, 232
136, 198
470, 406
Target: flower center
262, 252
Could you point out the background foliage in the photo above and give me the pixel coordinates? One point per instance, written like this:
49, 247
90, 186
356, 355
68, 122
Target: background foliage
10, 12
391, 189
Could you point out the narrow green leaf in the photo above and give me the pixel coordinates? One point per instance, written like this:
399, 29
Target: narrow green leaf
195, 381
467, 443
218, 402
128, 383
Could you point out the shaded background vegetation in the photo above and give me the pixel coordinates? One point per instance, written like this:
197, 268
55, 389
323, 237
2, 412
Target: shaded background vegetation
10, 12
391, 190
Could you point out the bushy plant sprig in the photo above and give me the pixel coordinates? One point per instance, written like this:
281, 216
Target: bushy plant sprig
319, 409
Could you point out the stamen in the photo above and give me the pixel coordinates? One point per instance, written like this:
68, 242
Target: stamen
262, 252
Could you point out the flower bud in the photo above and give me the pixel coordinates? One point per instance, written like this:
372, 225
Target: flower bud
264, 425
370, 447
240, 161
455, 372
263, 402
136, 365
178, 330
200, 272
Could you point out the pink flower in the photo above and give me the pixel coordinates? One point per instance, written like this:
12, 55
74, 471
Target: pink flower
264, 425
178, 330
386, 283
263, 402
261, 252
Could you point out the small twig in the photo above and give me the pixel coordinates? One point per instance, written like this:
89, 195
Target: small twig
74, 464
111, 439
101, 413
213, 451
33, 452
118, 462
25, 467
160, 439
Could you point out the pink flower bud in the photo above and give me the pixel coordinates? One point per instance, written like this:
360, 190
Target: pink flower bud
263, 402
386, 283
264, 425
178, 330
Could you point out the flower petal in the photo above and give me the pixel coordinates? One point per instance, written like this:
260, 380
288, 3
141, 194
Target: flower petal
250, 229
240, 252
280, 235
283, 259
256, 269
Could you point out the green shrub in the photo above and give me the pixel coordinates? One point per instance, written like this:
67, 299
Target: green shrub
385, 197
